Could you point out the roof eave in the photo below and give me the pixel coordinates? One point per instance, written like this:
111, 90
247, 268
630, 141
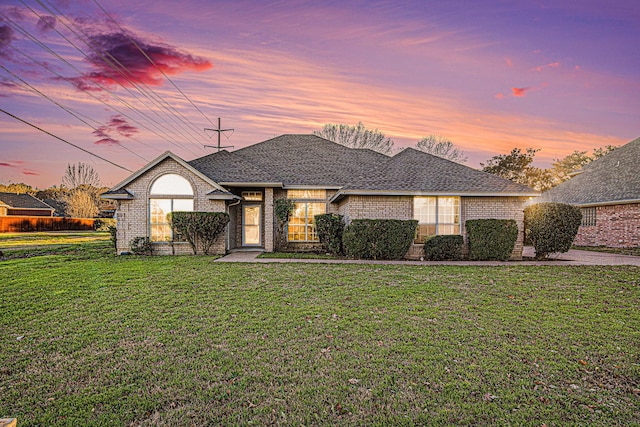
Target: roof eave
252, 184
340, 194
607, 203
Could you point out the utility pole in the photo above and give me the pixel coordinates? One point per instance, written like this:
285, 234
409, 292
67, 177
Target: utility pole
219, 130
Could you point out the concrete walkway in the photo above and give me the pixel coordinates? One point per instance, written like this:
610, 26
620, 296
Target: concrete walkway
573, 257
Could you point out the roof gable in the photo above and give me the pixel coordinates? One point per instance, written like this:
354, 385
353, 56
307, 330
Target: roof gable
612, 178
120, 192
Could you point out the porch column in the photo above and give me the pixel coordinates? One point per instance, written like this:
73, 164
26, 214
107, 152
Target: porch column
268, 220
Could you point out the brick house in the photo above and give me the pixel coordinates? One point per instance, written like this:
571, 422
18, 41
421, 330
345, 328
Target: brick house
12, 204
608, 193
321, 177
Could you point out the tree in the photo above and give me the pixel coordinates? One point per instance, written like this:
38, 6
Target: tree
516, 166
18, 188
83, 196
81, 203
356, 137
441, 147
81, 175
563, 168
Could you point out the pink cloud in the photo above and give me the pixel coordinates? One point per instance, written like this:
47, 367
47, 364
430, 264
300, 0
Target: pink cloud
519, 91
30, 172
508, 62
127, 65
12, 164
116, 124
539, 68
498, 96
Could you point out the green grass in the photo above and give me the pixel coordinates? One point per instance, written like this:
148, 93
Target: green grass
93, 339
619, 251
39, 239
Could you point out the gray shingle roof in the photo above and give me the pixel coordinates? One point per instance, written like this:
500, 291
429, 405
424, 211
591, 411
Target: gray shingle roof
309, 160
23, 201
293, 160
415, 171
224, 166
612, 178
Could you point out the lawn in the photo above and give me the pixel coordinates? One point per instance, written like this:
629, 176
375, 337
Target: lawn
48, 238
92, 339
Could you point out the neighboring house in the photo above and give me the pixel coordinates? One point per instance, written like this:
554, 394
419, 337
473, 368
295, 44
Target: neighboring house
321, 177
608, 192
12, 204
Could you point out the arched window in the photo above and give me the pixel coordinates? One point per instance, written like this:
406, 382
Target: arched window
169, 193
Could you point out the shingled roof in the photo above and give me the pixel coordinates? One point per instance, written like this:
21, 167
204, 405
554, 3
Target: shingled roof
293, 161
23, 201
613, 178
412, 172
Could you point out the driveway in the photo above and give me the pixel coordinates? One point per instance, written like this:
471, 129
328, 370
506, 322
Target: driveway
573, 257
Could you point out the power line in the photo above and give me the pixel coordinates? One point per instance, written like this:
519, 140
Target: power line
65, 141
154, 64
116, 66
125, 103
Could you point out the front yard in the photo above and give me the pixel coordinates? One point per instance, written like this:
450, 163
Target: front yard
92, 339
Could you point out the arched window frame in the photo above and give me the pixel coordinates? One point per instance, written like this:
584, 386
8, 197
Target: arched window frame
168, 193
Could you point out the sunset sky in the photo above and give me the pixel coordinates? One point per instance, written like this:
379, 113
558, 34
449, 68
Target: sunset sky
489, 75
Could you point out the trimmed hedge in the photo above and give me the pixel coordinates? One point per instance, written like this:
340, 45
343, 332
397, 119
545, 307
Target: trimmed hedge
199, 228
551, 227
378, 238
443, 248
330, 228
491, 239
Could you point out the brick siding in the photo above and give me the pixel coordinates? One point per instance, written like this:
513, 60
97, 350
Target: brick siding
617, 226
133, 215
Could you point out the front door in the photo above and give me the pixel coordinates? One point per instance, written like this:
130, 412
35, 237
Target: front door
251, 225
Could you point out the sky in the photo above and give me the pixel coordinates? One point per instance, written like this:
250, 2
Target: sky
121, 82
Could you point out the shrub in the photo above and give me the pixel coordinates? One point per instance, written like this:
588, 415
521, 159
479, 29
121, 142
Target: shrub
491, 239
378, 238
141, 246
330, 228
551, 227
283, 208
443, 248
199, 228
103, 224
113, 236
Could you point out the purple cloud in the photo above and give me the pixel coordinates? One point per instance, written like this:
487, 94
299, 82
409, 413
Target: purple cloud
121, 50
6, 37
116, 124
46, 23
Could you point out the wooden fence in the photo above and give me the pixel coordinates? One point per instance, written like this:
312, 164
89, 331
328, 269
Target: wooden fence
38, 223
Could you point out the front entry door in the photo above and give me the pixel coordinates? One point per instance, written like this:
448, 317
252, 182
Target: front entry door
251, 225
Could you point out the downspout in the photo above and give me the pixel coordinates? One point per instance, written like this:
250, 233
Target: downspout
228, 228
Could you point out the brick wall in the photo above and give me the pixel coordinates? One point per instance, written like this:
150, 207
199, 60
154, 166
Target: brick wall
496, 208
376, 207
617, 226
133, 215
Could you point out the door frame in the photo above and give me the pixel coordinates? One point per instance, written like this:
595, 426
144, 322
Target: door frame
260, 225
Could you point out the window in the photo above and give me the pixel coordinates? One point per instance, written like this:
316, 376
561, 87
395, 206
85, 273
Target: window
307, 194
252, 196
169, 193
588, 216
302, 227
436, 216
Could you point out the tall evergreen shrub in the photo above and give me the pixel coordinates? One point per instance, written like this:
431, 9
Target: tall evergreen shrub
551, 227
330, 228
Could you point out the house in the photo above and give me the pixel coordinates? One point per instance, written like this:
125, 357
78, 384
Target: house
321, 177
607, 191
12, 204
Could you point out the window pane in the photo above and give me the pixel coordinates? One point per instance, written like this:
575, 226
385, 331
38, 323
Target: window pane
182, 205
252, 195
159, 210
306, 194
448, 229
172, 184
